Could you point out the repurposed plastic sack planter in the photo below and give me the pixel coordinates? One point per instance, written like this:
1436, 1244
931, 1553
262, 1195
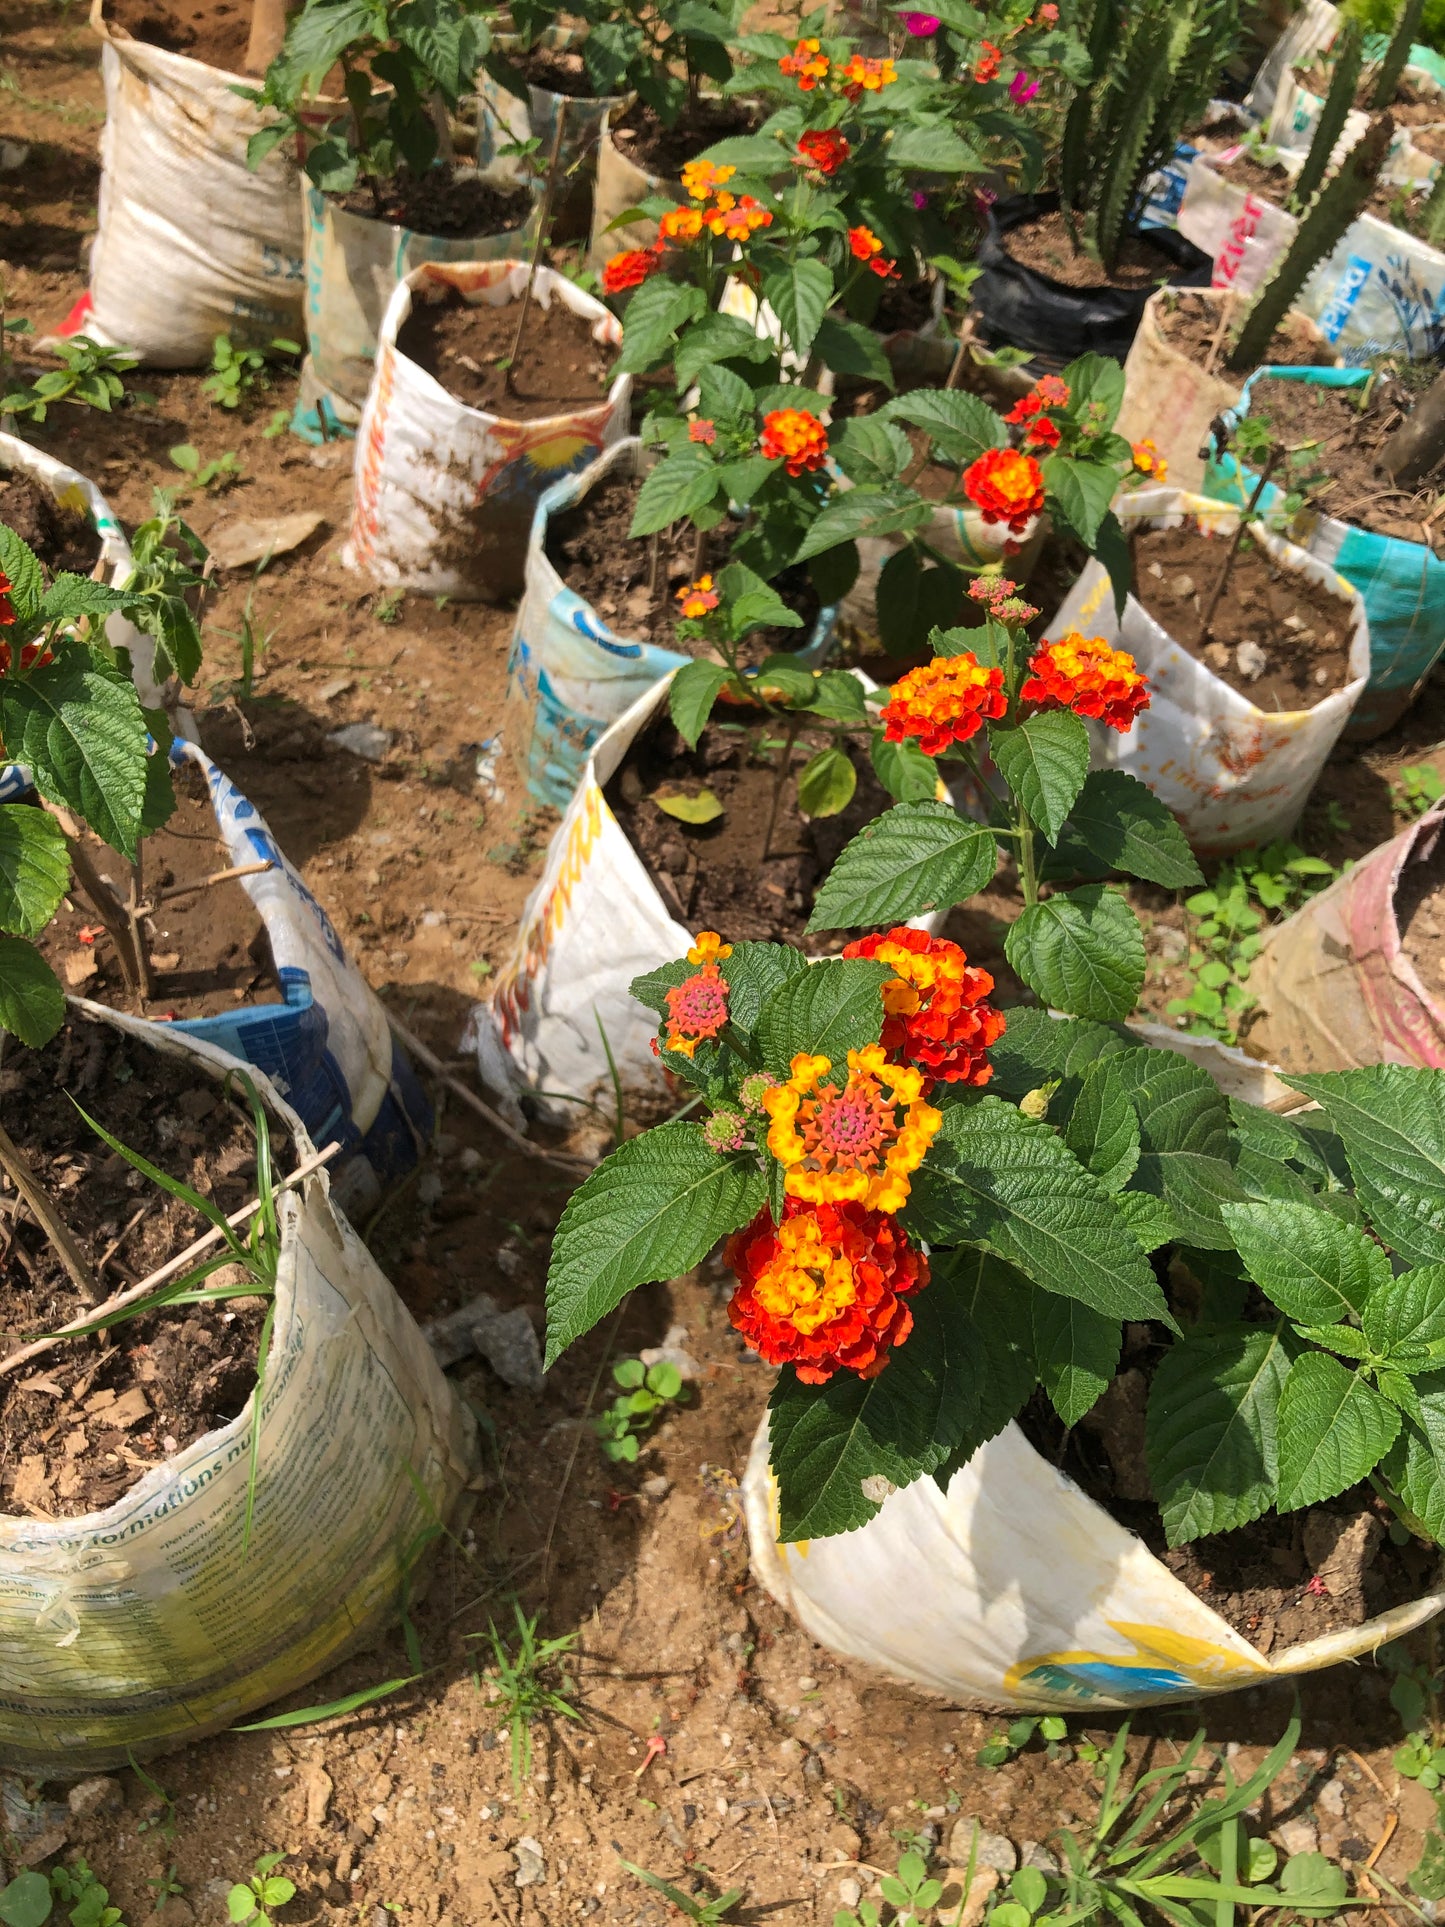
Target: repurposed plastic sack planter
145, 1626
353, 263
1233, 774
621, 184
1169, 397
190, 243
1402, 583
1334, 985
1027, 309
327, 1047
570, 676
504, 118
445, 494
1015, 1588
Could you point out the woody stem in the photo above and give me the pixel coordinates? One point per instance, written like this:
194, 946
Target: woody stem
784, 764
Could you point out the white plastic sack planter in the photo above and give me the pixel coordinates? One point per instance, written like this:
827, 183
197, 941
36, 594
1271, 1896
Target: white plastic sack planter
190, 243
445, 494
353, 264
504, 119
621, 184
570, 676
1170, 399
143, 1627
1234, 775
1015, 1588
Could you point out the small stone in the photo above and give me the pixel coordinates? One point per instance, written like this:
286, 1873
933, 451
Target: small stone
1330, 1799
671, 1352
657, 1487
876, 1488
1294, 622
13, 156
1182, 587
807, 1684
629, 786
1031, 1854
367, 740
961, 1912
338, 686
850, 1892
318, 1786
992, 1850
1171, 946
508, 1342
1216, 656
433, 919
531, 1867
1251, 660
239, 543
1322, 676
1298, 1836
89, 1797
214, 1897
429, 1187
1157, 571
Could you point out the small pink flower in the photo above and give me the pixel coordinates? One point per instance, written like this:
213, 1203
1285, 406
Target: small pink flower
921, 25
702, 431
920, 199
1021, 89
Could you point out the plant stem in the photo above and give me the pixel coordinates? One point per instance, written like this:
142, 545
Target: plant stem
50, 1222
699, 553
1246, 516
146, 985
1028, 867
544, 219
102, 898
784, 764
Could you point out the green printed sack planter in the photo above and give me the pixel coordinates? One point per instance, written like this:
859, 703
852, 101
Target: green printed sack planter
1402, 583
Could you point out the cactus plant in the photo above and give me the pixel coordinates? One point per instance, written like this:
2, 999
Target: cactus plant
1333, 115
1397, 53
1154, 66
1324, 221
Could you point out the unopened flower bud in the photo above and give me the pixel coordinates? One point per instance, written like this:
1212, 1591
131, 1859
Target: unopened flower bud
725, 1130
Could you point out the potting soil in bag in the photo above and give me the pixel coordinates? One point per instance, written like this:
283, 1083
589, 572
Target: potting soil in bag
327, 1048
1402, 583
150, 1624
1334, 985
1233, 774
570, 675
445, 494
190, 243
353, 264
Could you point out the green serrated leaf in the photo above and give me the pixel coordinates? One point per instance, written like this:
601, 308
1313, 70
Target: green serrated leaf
1148, 1218
1184, 1142
1102, 1129
1334, 1428
26, 578
1079, 493
752, 973
1314, 1268
1076, 1350
651, 1210
798, 293
857, 512
1082, 952
1119, 824
958, 424
695, 688
915, 857
996, 1178
1044, 760
1415, 1465
826, 1010
681, 484
77, 723
1404, 1318
904, 771
1391, 1119
34, 869
32, 1004
1212, 1429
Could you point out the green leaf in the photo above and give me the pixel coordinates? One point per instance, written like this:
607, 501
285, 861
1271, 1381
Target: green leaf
1316, 1269
1076, 1350
34, 868
1096, 378
655, 313
1102, 1130
712, 339
1313, 1882
856, 512
1391, 1118
904, 771
695, 688
652, 986
1079, 493
826, 1010
1044, 760
1148, 1219
996, 1178
1333, 1429
753, 972
26, 1901
848, 348
915, 857
826, 783
71, 597
1404, 1318
750, 603
1122, 825
651, 1210
933, 149
1082, 952
839, 694
702, 808
32, 1004
871, 451
959, 425
1185, 1146
1415, 1465
799, 293
683, 483
27, 580
78, 724
1212, 1428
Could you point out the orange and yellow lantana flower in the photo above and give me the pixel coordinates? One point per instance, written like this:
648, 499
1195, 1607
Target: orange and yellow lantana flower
858, 76
807, 63
944, 701
701, 178
699, 599
1005, 485
1148, 460
1087, 675
796, 437
937, 1013
697, 1008
858, 1144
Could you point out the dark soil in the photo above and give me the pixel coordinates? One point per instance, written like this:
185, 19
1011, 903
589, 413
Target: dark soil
558, 73
1190, 324
80, 1424
592, 552
1256, 1578
712, 876
1213, 136
62, 538
1411, 107
1044, 246
1418, 907
560, 366
1401, 206
1266, 183
904, 308
445, 201
208, 30
208, 950
1174, 573
643, 139
1350, 440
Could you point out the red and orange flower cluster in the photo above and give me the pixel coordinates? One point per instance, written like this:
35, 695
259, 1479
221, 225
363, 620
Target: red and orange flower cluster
33, 655
809, 66
697, 1008
795, 437
724, 215
1042, 431
698, 599
1006, 485
864, 245
986, 67
937, 1013
824, 150
1087, 675
944, 701
7, 607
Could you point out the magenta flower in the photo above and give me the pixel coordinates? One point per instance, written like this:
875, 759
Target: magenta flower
920, 199
920, 25
1021, 89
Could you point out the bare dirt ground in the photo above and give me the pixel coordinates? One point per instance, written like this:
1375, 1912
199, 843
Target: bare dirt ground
785, 1772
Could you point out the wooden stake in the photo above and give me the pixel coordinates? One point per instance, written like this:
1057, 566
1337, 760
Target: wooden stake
429, 1060
544, 219
103, 898
49, 1220
1246, 517
220, 876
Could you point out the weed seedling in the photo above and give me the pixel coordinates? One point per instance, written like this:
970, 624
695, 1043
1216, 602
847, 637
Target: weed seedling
530, 1684
253, 1899
1002, 1747
88, 375
388, 607
646, 1389
218, 473
252, 640
240, 374
1419, 786
707, 1913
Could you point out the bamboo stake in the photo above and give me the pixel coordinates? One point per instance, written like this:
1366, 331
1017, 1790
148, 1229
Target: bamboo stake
49, 1220
429, 1061
544, 219
220, 876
